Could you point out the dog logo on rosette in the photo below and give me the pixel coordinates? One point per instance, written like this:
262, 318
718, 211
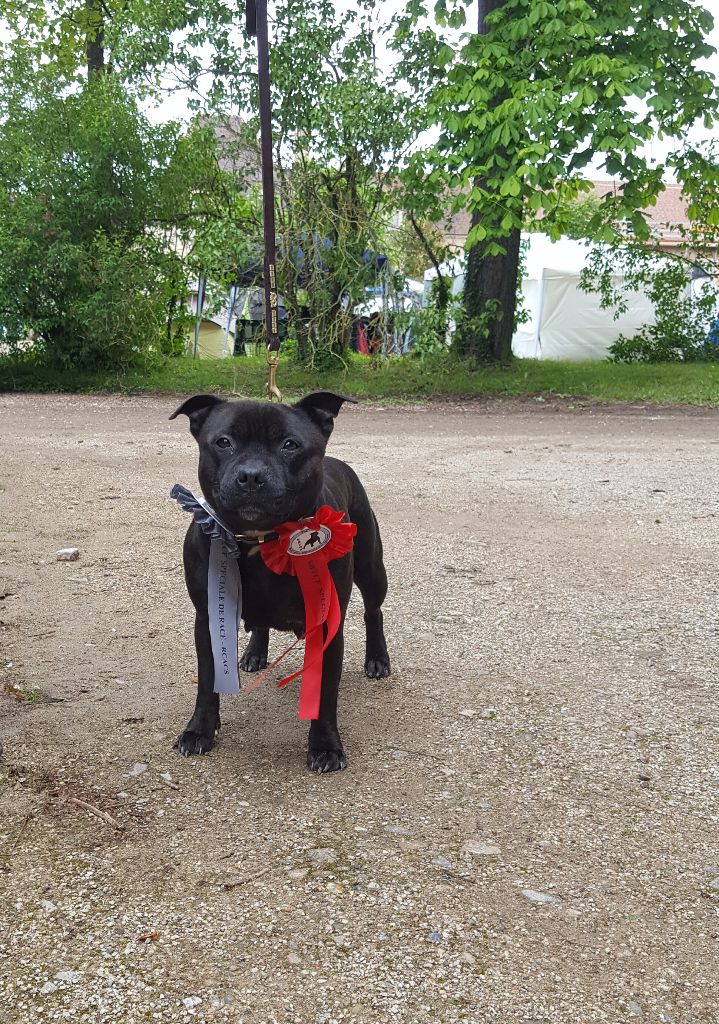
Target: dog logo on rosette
309, 540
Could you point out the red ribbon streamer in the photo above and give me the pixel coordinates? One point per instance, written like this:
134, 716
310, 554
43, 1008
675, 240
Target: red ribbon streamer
303, 549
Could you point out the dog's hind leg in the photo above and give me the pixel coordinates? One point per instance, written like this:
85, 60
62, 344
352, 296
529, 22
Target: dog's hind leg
255, 655
371, 578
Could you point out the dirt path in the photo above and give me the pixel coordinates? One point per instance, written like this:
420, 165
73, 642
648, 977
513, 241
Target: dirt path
550, 728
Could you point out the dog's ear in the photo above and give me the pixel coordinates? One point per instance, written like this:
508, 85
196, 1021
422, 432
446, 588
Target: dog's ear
322, 407
197, 409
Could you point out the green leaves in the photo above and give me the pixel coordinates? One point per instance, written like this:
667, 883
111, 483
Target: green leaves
96, 205
554, 86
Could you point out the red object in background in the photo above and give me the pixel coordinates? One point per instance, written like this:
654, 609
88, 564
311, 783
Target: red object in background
362, 346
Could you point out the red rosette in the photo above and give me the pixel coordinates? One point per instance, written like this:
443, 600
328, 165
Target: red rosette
276, 554
303, 549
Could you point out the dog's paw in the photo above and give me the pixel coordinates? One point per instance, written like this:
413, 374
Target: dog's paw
194, 741
377, 666
250, 662
332, 760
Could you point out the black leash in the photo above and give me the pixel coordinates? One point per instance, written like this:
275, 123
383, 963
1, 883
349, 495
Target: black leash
256, 24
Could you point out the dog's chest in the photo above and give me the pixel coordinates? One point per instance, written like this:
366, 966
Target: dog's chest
269, 600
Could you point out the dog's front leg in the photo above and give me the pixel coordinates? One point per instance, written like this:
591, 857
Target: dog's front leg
199, 736
324, 749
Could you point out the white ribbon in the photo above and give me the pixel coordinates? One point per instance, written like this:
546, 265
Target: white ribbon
224, 589
224, 607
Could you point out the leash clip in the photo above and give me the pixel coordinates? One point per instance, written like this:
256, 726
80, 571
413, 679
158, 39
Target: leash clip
273, 392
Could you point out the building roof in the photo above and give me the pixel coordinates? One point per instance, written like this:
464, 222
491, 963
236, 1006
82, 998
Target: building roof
670, 210
238, 151
665, 217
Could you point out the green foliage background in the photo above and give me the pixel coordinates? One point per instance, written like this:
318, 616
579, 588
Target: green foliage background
107, 218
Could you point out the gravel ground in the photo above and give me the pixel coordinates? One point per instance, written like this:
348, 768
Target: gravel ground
527, 830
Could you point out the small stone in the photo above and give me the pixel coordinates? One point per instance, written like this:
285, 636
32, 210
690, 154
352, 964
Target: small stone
714, 884
293, 958
442, 862
221, 1000
479, 849
67, 554
635, 1009
468, 958
69, 976
298, 873
335, 888
469, 713
323, 855
190, 1002
48, 988
137, 769
540, 897
47, 906
574, 914
397, 830
435, 937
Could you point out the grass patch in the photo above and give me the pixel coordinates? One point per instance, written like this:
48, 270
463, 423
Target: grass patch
403, 380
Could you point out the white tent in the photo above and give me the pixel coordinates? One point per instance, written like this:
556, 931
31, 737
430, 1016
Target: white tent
564, 321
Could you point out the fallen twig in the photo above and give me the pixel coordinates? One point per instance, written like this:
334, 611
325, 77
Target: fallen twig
246, 879
95, 810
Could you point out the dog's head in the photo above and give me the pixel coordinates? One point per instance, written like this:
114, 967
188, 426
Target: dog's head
261, 463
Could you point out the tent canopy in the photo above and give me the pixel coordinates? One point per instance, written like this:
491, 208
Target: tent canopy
564, 321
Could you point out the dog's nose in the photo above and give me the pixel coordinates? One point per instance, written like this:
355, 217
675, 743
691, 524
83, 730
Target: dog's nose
251, 478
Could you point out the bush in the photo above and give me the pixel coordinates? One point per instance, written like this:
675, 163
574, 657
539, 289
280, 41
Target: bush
683, 314
115, 315
658, 344
90, 193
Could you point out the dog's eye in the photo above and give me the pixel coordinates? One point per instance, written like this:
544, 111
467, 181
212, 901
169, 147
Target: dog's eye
223, 442
289, 445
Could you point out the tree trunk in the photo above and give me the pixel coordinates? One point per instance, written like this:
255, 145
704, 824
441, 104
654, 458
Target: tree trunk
95, 38
490, 300
490, 283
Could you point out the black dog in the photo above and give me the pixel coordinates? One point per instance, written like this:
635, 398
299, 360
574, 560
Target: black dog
262, 465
